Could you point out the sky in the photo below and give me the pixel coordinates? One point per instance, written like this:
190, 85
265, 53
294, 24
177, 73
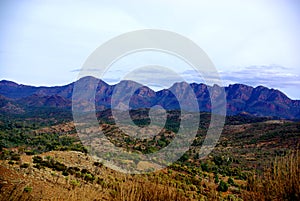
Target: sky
254, 42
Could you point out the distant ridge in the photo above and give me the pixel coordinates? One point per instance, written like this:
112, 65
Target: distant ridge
241, 99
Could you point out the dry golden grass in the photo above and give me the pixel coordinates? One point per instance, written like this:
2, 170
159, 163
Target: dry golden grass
16, 193
81, 194
123, 191
279, 182
147, 191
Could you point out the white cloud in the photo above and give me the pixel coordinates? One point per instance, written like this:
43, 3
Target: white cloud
271, 76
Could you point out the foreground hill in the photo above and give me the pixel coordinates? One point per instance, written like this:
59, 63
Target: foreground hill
41, 164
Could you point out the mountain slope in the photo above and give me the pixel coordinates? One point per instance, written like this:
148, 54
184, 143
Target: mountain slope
16, 91
258, 101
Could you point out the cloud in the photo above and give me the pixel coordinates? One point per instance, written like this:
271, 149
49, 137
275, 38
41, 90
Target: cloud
156, 77
271, 76
86, 70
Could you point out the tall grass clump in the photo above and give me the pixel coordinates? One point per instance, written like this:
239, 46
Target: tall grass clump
147, 191
281, 181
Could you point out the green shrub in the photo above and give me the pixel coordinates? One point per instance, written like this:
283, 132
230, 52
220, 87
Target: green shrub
29, 152
38, 166
89, 177
76, 169
11, 162
15, 157
184, 157
85, 171
204, 167
4, 155
37, 159
65, 173
46, 164
71, 170
216, 179
102, 183
24, 165
231, 181
223, 186
218, 160
59, 166
98, 164
78, 174
27, 189
74, 183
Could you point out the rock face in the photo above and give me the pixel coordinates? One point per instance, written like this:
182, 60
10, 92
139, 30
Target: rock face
260, 101
241, 99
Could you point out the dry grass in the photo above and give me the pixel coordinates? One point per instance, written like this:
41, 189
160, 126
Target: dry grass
147, 191
16, 193
123, 191
280, 182
81, 194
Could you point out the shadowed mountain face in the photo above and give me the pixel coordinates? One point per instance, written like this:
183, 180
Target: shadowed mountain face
259, 101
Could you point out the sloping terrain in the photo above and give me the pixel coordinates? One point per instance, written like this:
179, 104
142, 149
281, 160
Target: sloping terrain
31, 172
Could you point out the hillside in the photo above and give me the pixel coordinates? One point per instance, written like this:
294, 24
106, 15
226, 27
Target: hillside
50, 164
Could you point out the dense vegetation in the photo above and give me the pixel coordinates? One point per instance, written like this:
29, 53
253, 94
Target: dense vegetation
22, 132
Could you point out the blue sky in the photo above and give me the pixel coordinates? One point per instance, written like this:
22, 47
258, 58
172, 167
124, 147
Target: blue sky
252, 42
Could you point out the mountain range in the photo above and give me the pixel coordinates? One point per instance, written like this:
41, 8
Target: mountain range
241, 99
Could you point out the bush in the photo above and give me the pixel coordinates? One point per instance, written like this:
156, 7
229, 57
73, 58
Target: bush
65, 173
98, 164
89, 177
5, 155
37, 159
76, 169
38, 166
84, 171
102, 183
71, 170
218, 160
59, 166
74, 183
48, 164
11, 162
204, 167
231, 181
27, 189
223, 186
184, 157
15, 157
78, 174
29, 152
24, 165
216, 179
